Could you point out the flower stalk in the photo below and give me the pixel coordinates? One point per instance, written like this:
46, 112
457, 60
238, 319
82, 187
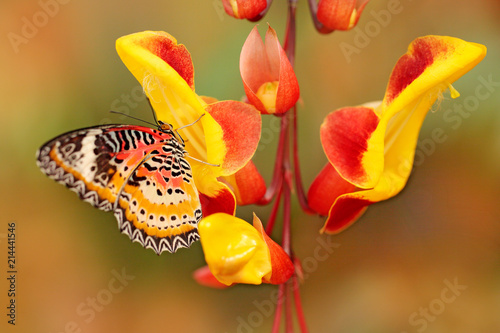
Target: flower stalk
284, 177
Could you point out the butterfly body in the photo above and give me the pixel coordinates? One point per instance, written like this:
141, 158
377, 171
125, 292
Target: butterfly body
137, 172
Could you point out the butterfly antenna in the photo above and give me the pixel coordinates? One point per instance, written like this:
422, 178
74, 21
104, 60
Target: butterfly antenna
153, 110
191, 157
194, 122
124, 114
179, 137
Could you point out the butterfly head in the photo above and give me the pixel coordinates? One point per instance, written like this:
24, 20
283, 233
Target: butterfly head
167, 128
164, 127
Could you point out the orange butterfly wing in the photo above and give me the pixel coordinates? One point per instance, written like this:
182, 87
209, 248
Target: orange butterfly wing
158, 203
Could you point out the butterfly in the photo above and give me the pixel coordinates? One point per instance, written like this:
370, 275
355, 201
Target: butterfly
139, 173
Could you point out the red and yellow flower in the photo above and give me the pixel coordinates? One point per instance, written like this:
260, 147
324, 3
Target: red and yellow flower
244, 9
237, 252
370, 148
227, 135
340, 14
268, 78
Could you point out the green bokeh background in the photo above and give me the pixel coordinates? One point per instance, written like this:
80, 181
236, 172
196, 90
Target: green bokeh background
393, 261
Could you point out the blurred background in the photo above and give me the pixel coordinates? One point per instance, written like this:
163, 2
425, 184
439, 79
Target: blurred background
396, 270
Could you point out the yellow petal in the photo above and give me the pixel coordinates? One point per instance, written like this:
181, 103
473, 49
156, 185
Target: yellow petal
420, 76
234, 250
164, 69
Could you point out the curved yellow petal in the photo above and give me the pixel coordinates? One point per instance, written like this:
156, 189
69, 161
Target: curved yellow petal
164, 69
420, 76
429, 66
234, 250
149, 56
387, 152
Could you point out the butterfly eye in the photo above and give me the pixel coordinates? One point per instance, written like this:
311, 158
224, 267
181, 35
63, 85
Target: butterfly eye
165, 127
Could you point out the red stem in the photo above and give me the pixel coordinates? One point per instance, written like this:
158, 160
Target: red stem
281, 185
289, 47
287, 208
279, 309
274, 213
298, 305
289, 44
288, 309
301, 195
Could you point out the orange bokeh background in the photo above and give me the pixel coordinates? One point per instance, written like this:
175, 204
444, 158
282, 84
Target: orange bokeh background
373, 277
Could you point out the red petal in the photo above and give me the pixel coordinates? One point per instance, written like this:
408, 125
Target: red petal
326, 188
344, 136
411, 65
281, 263
222, 202
336, 14
288, 88
255, 68
204, 276
176, 55
261, 63
241, 124
250, 186
344, 213
247, 9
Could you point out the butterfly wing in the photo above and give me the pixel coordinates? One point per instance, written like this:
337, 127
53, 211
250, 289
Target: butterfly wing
159, 206
86, 162
103, 162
